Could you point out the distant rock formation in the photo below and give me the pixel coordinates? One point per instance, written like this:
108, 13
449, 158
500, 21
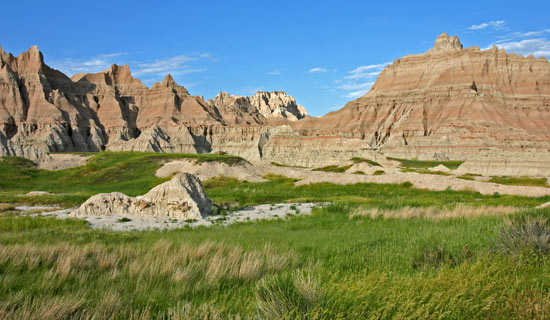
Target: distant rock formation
42, 110
276, 104
180, 198
449, 103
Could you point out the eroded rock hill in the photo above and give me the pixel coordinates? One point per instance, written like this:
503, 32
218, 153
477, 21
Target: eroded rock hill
42, 110
449, 103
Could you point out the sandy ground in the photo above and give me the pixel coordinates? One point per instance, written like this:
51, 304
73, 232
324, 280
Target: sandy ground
257, 171
253, 213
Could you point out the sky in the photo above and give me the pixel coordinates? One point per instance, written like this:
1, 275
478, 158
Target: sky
324, 53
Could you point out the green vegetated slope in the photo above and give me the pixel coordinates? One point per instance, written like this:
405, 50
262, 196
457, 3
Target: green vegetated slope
426, 164
128, 172
332, 264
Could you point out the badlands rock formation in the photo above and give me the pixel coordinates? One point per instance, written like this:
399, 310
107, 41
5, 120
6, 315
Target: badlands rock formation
275, 104
42, 110
180, 198
449, 103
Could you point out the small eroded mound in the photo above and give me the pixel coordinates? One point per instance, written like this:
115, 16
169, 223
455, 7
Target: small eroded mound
206, 170
60, 161
180, 198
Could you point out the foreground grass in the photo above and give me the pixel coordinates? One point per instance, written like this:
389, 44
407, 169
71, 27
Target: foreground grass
325, 266
455, 256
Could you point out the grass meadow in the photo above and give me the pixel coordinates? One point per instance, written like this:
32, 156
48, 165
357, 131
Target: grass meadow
372, 252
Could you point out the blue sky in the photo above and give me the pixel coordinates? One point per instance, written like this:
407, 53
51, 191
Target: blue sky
323, 53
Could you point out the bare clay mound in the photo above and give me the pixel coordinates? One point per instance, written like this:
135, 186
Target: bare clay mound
243, 170
60, 161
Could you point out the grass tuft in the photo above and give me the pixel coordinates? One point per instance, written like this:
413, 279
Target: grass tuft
360, 160
525, 237
333, 168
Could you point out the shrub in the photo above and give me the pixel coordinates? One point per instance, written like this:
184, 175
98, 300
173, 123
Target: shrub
525, 237
378, 173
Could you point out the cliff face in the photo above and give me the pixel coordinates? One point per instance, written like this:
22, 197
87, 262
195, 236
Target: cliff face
42, 110
447, 103
276, 104
450, 103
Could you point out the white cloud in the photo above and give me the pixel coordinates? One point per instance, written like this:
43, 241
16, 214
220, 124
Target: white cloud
359, 80
274, 72
368, 71
175, 65
537, 47
530, 33
317, 70
498, 24
356, 94
93, 64
356, 86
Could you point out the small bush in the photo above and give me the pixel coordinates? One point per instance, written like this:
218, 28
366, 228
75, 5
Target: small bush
124, 219
359, 172
378, 173
525, 237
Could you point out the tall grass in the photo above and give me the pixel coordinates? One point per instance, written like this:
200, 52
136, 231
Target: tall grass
420, 254
433, 213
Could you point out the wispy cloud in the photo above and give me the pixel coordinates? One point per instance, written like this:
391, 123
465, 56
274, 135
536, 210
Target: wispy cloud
537, 47
71, 66
368, 71
530, 33
498, 24
176, 65
317, 70
359, 81
356, 94
365, 85
274, 72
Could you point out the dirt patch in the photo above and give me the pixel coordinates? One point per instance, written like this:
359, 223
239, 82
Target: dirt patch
62, 161
36, 193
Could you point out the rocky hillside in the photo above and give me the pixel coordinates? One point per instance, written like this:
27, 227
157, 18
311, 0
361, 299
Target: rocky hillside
276, 104
42, 110
449, 103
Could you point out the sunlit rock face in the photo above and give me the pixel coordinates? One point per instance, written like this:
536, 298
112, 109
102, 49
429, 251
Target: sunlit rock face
447, 103
450, 103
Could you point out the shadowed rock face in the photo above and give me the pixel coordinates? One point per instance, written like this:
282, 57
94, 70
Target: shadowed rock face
447, 103
42, 110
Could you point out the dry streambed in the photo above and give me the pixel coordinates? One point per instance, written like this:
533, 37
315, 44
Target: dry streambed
132, 222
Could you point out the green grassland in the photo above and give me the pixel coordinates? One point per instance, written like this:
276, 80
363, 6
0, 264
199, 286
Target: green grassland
330, 265
426, 164
520, 181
